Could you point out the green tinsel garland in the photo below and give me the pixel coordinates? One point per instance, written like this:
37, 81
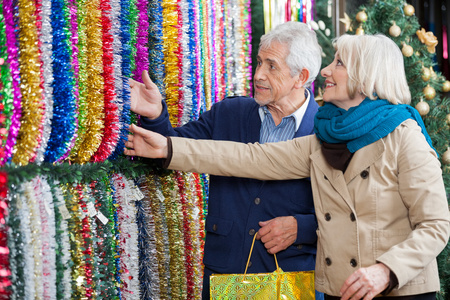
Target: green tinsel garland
81, 173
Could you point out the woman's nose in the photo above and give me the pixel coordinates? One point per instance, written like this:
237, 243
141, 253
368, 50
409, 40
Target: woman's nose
325, 72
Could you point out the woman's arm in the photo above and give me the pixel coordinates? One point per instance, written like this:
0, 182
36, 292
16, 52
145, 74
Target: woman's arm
422, 190
271, 161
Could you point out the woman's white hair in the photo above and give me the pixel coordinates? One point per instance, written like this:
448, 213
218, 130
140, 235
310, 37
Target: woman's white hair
375, 67
304, 49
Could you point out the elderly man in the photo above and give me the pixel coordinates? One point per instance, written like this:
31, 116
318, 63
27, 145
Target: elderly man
282, 212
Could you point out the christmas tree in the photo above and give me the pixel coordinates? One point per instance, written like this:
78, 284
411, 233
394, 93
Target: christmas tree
396, 19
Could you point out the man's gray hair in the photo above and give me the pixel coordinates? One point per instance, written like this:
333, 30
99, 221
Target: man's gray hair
304, 49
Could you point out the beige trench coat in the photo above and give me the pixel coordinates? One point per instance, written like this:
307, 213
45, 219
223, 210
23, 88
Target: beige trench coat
389, 206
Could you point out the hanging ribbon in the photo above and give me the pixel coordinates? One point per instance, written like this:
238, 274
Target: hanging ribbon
171, 60
128, 242
63, 278
91, 109
43, 197
5, 271
6, 91
122, 84
29, 137
148, 266
111, 118
44, 31
64, 122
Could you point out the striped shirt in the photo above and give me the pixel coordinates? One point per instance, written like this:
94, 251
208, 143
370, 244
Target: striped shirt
271, 133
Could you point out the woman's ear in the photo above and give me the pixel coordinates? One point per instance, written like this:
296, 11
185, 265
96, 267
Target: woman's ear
303, 77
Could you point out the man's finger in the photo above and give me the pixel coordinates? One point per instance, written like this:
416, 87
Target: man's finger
132, 82
140, 131
129, 152
146, 80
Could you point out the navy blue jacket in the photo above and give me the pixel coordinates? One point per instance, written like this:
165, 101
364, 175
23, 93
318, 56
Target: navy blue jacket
236, 205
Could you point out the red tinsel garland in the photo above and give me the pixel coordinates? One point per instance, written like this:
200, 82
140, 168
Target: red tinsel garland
5, 272
111, 121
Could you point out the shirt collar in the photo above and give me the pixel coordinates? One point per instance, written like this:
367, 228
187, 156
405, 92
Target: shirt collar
298, 114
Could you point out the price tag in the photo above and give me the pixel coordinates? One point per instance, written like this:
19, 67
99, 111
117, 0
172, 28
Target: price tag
160, 195
102, 218
64, 212
137, 193
91, 209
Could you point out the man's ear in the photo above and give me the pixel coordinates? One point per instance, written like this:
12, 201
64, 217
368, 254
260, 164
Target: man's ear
302, 78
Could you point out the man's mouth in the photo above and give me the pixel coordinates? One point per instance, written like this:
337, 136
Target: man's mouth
261, 87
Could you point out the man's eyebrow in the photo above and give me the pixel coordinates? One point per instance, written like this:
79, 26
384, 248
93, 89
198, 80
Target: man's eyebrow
268, 60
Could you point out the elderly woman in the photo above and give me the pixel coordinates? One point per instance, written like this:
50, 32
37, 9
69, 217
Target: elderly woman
378, 190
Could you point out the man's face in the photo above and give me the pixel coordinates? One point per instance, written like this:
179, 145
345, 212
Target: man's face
272, 81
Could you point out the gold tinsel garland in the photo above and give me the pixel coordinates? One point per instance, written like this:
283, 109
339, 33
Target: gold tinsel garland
30, 132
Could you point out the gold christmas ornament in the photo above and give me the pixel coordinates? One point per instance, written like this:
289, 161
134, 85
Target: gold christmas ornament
423, 108
359, 30
448, 119
409, 10
361, 17
446, 86
428, 39
446, 157
395, 30
407, 50
433, 74
429, 92
426, 74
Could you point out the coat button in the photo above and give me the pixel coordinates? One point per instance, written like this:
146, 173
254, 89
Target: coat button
249, 264
257, 201
353, 262
364, 174
327, 217
328, 261
215, 227
251, 232
299, 247
352, 217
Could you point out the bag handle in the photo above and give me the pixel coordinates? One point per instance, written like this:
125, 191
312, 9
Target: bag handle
250, 254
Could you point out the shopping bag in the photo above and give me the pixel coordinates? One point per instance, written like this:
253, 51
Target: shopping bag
270, 286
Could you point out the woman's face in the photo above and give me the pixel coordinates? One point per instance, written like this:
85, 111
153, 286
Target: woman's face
336, 91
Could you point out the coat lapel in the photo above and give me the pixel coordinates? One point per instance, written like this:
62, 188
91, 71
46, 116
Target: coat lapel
363, 158
333, 176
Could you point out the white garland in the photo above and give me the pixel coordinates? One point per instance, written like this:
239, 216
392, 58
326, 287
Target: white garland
186, 84
44, 198
64, 245
117, 55
128, 237
46, 39
26, 216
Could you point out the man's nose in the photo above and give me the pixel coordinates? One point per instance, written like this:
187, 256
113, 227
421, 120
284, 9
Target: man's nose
260, 74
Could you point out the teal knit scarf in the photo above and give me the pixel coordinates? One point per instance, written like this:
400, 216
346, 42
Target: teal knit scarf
363, 124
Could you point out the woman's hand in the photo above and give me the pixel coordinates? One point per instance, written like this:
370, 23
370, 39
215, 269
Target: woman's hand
145, 143
366, 283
